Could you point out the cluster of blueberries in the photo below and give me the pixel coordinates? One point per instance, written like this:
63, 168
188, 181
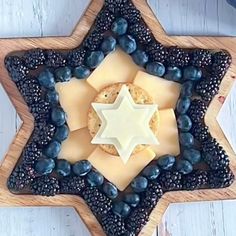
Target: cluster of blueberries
128, 44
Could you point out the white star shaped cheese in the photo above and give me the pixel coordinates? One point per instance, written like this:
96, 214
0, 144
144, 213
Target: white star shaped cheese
125, 124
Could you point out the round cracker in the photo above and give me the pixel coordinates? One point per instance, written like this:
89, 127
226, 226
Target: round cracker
108, 95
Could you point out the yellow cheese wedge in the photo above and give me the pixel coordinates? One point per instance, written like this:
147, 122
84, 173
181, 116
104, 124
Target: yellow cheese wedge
75, 98
167, 134
165, 93
77, 146
116, 67
113, 168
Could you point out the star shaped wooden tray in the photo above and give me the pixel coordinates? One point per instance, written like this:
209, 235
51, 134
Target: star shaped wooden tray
9, 45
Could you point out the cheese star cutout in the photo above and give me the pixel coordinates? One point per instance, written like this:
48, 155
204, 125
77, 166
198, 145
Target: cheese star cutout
125, 124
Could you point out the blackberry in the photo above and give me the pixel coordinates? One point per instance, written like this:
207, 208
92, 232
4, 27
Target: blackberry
45, 185
20, 178
30, 89
115, 6
16, 68
128, 233
195, 180
152, 195
43, 133
157, 52
34, 58
170, 180
136, 220
31, 153
40, 110
141, 33
112, 224
76, 57
221, 63
72, 185
221, 178
98, 202
201, 58
214, 155
131, 13
178, 57
208, 88
93, 41
54, 59
197, 110
104, 21
200, 131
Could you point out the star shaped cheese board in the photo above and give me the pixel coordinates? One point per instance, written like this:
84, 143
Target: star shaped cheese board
119, 119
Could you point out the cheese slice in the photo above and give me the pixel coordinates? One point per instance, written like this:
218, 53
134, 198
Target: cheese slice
164, 92
116, 67
113, 168
77, 146
167, 134
75, 98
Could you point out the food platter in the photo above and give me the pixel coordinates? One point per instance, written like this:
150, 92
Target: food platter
11, 45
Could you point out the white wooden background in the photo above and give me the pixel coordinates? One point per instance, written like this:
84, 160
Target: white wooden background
21, 18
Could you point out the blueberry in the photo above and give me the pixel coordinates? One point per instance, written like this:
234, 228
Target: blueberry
81, 72
120, 26
156, 68
53, 149
128, 43
166, 162
63, 74
184, 167
192, 155
82, 168
62, 133
186, 139
121, 209
58, 116
95, 178
63, 167
184, 123
151, 172
140, 57
108, 45
192, 73
94, 59
183, 105
173, 74
52, 97
132, 199
110, 190
45, 166
187, 89
46, 79
139, 184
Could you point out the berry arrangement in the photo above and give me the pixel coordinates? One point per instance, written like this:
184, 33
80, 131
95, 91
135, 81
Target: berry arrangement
203, 163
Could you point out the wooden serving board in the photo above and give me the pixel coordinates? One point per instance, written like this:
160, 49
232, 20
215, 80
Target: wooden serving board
9, 45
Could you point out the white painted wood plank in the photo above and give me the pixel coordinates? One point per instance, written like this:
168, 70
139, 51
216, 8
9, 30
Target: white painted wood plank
21, 22
229, 216
7, 122
61, 19
198, 17
37, 18
226, 118
41, 221
18, 122
195, 219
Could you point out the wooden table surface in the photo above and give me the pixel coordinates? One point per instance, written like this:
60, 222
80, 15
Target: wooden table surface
50, 17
